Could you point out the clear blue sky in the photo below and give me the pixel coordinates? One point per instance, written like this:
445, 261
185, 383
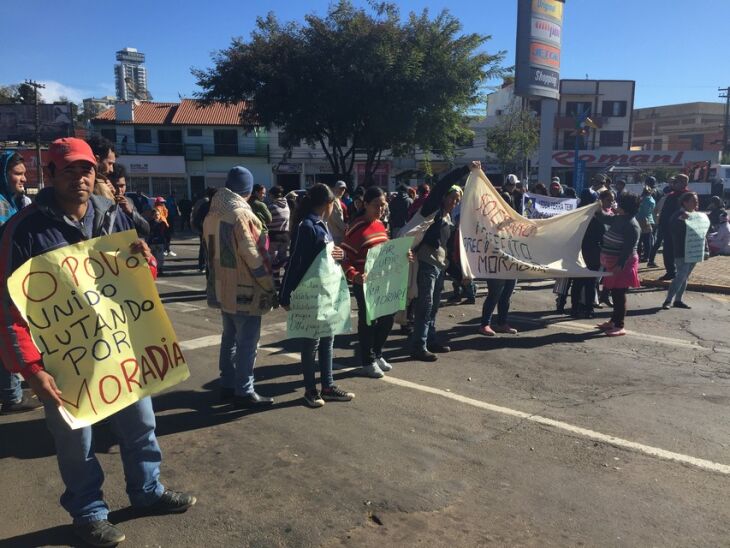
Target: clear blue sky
676, 50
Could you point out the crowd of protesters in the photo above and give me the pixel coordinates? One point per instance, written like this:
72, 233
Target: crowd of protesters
255, 248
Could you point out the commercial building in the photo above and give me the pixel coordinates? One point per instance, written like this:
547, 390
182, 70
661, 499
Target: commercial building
687, 126
182, 147
130, 76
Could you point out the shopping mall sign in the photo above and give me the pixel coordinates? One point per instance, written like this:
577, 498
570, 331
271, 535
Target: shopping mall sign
664, 158
539, 33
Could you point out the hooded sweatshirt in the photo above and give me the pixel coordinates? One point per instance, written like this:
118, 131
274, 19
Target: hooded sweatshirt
9, 202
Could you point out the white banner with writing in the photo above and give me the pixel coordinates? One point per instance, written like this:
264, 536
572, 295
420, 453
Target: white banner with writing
497, 242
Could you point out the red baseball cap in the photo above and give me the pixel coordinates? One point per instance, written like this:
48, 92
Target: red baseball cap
69, 149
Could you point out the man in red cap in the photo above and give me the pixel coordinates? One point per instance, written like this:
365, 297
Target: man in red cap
66, 213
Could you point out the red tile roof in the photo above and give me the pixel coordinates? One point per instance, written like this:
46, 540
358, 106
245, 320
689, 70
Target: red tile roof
192, 112
189, 112
144, 113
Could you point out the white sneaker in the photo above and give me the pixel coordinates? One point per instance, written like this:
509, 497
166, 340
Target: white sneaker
373, 371
383, 364
165, 253
173, 254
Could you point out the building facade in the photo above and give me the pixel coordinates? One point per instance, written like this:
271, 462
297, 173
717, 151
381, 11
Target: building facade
182, 147
130, 76
687, 126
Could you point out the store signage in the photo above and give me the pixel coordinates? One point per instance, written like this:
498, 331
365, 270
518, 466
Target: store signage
546, 31
542, 54
566, 158
539, 35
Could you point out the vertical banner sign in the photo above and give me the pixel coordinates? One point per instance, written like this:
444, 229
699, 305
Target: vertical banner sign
497, 242
96, 317
386, 286
539, 34
694, 242
320, 304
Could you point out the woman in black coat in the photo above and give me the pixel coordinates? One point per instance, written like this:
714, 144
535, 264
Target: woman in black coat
584, 289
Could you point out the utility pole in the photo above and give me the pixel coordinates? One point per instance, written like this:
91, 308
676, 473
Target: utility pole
726, 125
39, 167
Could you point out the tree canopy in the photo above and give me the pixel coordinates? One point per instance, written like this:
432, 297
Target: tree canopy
19, 94
514, 139
357, 80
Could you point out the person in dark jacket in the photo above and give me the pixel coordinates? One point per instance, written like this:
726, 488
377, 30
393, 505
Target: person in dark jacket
399, 206
310, 236
64, 214
678, 228
432, 256
618, 256
12, 185
118, 179
583, 294
671, 206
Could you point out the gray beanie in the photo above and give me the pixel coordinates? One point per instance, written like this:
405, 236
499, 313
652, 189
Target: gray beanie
240, 180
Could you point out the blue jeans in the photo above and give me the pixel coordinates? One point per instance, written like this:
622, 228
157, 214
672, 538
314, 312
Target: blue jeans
498, 296
239, 344
430, 282
314, 350
679, 283
647, 244
80, 470
10, 390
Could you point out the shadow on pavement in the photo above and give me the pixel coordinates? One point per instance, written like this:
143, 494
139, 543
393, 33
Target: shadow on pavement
60, 535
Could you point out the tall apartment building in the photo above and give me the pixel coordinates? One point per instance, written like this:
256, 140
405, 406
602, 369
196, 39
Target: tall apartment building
130, 76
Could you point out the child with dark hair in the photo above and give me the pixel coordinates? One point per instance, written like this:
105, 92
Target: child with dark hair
619, 257
309, 237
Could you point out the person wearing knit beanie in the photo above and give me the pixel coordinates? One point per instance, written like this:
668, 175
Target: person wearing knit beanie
240, 181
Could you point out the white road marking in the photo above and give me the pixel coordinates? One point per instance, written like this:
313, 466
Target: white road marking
280, 328
183, 306
566, 427
179, 285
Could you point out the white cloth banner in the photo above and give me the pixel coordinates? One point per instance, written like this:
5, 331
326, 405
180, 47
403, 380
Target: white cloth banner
537, 206
497, 242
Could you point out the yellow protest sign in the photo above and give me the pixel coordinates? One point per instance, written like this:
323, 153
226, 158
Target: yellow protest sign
96, 317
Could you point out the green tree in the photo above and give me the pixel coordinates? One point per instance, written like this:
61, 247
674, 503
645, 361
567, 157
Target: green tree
356, 81
26, 94
514, 139
9, 94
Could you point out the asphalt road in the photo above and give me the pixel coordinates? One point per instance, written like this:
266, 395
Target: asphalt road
555, 437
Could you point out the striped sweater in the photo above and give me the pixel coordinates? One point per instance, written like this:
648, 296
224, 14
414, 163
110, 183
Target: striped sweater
361, 236
621, 238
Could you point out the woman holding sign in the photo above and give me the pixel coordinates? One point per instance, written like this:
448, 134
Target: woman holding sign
366, 232
685, 259
618, 256
310, 236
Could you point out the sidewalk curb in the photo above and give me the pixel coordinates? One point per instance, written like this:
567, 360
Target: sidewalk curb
705, 288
